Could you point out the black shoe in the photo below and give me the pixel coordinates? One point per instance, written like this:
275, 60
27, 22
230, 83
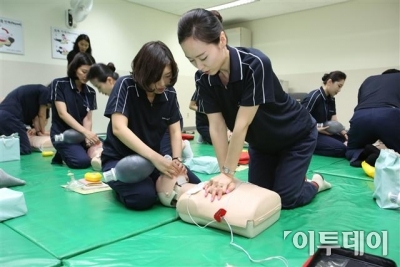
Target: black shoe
356, 163
57, 159
369, 150
371, 159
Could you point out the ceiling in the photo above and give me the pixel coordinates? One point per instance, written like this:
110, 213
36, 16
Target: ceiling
253, 11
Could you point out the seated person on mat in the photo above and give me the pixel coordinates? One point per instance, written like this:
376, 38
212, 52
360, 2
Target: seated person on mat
72, 104
202, 125
376, 117
240, 91
321, 105
103, 77
23, 106
141, 108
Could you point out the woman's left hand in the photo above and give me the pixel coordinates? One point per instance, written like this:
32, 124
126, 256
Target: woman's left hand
89, 143
219, 185
182, 168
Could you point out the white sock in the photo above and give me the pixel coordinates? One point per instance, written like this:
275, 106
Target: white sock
7, 180
96, 164
322, 184
187, 152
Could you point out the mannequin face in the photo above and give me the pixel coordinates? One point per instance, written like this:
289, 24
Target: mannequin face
104, 88
205, 57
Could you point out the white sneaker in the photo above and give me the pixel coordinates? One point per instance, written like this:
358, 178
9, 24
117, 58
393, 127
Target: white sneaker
320, 181
200, 139
96, 164
187, 152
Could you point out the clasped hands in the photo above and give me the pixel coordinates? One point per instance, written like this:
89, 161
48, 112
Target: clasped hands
91, 139
219, 185
171, 168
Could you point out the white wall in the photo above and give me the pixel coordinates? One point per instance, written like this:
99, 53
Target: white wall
115, 34
359, 37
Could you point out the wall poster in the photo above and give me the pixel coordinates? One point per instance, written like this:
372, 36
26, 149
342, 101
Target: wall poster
62, 41
11, 36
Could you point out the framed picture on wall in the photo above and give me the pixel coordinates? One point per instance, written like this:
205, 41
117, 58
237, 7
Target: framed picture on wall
62, 41
11, 36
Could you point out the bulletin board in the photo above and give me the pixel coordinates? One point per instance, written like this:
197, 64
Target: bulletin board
11, 36
62, 41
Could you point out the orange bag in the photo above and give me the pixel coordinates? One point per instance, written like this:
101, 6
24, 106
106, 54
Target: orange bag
244, 158
187, 136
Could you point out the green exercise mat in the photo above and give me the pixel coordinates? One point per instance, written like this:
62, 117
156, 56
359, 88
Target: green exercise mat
17, 251
66, 223
343, 169
347, 208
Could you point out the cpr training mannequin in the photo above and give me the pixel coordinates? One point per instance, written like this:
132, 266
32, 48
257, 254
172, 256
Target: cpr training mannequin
334, 127
250, 209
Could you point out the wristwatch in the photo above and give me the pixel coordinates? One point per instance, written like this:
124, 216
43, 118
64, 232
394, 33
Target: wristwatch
178, 159
226, 170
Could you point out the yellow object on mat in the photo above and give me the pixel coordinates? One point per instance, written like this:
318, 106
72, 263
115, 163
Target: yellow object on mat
93, 176
368, 169
47, 153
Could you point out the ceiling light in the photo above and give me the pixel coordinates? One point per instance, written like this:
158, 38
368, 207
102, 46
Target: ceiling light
232, 4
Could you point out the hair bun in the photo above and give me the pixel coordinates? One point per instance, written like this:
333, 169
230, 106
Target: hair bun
325, 77
111, 66
217, 14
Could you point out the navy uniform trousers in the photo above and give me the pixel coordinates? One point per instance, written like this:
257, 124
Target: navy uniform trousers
369, 125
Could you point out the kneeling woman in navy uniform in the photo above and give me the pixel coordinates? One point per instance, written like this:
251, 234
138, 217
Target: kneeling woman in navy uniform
25, 105
376, 117
321, 105
141, 108
239, 90
72, 105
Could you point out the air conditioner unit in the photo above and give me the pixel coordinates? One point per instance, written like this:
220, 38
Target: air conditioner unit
239, 37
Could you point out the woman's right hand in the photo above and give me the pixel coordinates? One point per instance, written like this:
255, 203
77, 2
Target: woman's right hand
91, 138
322, 130
219, 185
167, 167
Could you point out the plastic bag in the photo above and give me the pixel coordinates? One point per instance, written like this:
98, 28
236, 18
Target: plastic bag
387, 178
205, 164
12, 204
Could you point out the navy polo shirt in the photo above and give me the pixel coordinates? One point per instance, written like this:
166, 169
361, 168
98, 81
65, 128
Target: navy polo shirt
380, 91
279, 122
320, 106
201, 118
71, 56
24, 102
148, 121
78, 103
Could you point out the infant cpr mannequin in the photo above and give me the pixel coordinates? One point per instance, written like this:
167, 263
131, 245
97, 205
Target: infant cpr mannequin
250, 209
335, 127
